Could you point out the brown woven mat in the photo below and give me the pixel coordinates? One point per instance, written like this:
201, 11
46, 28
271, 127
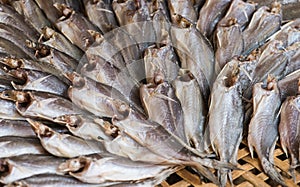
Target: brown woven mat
250, 175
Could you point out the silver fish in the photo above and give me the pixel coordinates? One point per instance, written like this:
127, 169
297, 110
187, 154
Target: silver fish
160, 61
265, 22
31, 12
229, 41
239, 10
96, 98
193, 107
163, 107
22, 63
288, 86
10, 17
15, 128
294, 61
75, 27
289, 128
113, 169
23, 166
59, 42
210, 14
39, 81
64, 145
195, 54
101, 14
226, 115
41, 105
50, 180
263, 127
15, 146
85, 126
8, 110
182, 12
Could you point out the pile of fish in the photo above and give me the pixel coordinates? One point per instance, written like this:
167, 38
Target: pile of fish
127, 92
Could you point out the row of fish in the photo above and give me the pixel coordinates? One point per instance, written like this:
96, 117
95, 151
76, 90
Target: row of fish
125, 93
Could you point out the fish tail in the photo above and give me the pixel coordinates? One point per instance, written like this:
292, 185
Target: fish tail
223, 175
271, 171
205, 172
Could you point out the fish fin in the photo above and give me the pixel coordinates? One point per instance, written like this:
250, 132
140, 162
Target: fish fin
271, 153
223, 174
250, 146
270, 169
206, 172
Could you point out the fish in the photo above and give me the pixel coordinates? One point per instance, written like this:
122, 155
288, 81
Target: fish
288, 86
75, 26
294, 60
193, 107
64, 145
289, 129
8, 109
182, 12
163, 107
265, 22
41, 105
38, 81
23, 166
112, 169
101, 14
15, 146
161, 61
50, 180
31, 12
19, 128
51, 38
229, 41
226, 115
196, 54
210, 14
263, 127
85, 127
12, 18
98, 99
22, 63
240, 11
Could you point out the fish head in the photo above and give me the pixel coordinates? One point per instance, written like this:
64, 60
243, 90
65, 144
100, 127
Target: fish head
40, 129
74, 165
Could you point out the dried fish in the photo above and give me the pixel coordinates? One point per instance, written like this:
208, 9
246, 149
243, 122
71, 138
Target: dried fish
39, 81
11, 18
226, 114
161, 61
163, 107
64, 145
182, 12
41, 105
96, 98
288, 86
58, 41
50, 180
294, 61
195, 54
263, 127
75, 27
86, 127
289, 127
15, 146
265, 22
112, 169
210, 14
31, 12
18, 128
193, 107
8, 109
229, 41
241, 11
22, 63
23, 166
100, 13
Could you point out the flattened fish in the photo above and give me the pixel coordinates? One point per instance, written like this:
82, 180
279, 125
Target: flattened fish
15, 128
23, 166
64, 145
226, 115
193, 107
263, 127
289, 130
288, 86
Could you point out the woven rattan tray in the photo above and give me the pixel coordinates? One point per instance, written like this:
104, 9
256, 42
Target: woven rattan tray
250, 175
